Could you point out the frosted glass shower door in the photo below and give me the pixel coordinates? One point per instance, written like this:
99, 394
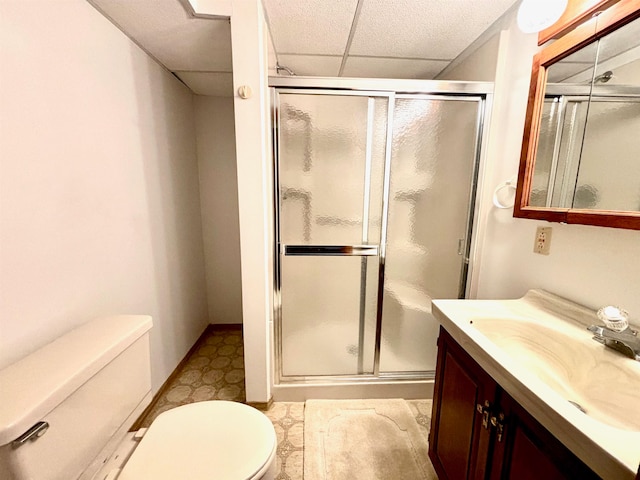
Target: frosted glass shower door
331, 153
433, 162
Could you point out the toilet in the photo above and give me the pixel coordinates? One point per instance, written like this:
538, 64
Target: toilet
66, 410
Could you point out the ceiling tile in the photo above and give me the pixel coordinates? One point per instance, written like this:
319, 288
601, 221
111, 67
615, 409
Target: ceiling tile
421, 29
310, 26
372, 67
214, 84
312, 65
171, 35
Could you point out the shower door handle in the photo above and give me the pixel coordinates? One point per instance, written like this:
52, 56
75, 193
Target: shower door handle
331, 250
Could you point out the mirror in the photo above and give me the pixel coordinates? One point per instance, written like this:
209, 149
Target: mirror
562, 129
609, 174
581, 152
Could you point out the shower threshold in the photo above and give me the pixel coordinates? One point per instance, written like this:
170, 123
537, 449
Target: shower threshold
341, 389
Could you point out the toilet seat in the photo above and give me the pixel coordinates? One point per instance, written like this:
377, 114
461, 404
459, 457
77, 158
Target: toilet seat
203, 441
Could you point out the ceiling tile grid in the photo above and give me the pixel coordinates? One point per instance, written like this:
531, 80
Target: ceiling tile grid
177, 40
375, 67
310, 26
422, 28
313, 65
355, 38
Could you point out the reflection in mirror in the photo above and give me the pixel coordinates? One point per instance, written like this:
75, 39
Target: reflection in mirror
609, 174
562, 129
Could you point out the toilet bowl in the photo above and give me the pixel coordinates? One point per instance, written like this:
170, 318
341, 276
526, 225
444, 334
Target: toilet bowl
66, 410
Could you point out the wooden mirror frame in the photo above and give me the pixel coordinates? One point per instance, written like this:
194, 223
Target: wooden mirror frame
588, 32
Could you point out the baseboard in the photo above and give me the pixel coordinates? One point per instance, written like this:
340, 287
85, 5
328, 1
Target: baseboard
136, 425
225, 326
264, 406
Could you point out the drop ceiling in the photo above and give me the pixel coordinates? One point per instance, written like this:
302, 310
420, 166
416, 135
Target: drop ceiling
349, 38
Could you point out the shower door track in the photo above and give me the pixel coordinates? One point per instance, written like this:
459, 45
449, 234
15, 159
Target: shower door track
379, 88
385, 377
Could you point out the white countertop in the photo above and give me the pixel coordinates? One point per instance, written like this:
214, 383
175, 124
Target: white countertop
612, 453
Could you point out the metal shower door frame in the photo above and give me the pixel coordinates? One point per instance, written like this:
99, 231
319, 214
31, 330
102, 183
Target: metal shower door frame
363, 250
464, 245
372, 88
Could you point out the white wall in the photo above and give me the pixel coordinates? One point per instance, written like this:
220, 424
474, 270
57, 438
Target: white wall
255, 192
590, 265
100, 210
215, 134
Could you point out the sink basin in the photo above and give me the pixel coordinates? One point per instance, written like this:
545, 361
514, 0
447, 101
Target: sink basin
604, 384
538, 349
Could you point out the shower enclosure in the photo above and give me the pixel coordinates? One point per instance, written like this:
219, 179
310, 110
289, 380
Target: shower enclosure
374, 201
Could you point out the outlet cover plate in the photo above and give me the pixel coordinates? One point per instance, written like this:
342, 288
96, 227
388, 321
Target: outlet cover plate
542, 243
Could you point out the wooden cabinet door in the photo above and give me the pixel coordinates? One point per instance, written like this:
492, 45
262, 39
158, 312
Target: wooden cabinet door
459, 443
524, 450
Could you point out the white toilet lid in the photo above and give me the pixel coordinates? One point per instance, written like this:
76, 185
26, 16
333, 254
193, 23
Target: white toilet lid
204, 441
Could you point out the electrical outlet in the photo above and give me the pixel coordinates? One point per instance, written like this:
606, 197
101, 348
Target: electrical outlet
543, 240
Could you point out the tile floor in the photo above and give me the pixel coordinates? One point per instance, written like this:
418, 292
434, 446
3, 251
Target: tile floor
215, 371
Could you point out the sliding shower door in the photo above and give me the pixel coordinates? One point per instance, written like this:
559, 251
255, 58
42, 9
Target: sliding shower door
331, 150
435, 141
373, 210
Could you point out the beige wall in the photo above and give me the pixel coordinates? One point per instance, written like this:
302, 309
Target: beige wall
479, 64
215, 134
594, 266
100, 209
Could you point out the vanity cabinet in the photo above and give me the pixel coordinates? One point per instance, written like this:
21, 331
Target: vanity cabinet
479, 432
462, 404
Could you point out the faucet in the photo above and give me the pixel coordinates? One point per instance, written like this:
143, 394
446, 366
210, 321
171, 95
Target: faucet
626, 341
616, 333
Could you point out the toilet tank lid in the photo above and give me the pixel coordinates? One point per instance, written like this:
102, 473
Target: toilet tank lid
35, 385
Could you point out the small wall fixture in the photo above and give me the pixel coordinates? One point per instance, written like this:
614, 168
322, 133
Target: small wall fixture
244, 92
536, 15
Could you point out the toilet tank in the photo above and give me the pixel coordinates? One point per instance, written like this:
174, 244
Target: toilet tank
88, 386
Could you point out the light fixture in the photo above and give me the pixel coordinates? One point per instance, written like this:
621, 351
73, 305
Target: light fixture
536, 15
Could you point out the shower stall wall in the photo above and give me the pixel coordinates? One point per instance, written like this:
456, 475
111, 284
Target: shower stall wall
374, 208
